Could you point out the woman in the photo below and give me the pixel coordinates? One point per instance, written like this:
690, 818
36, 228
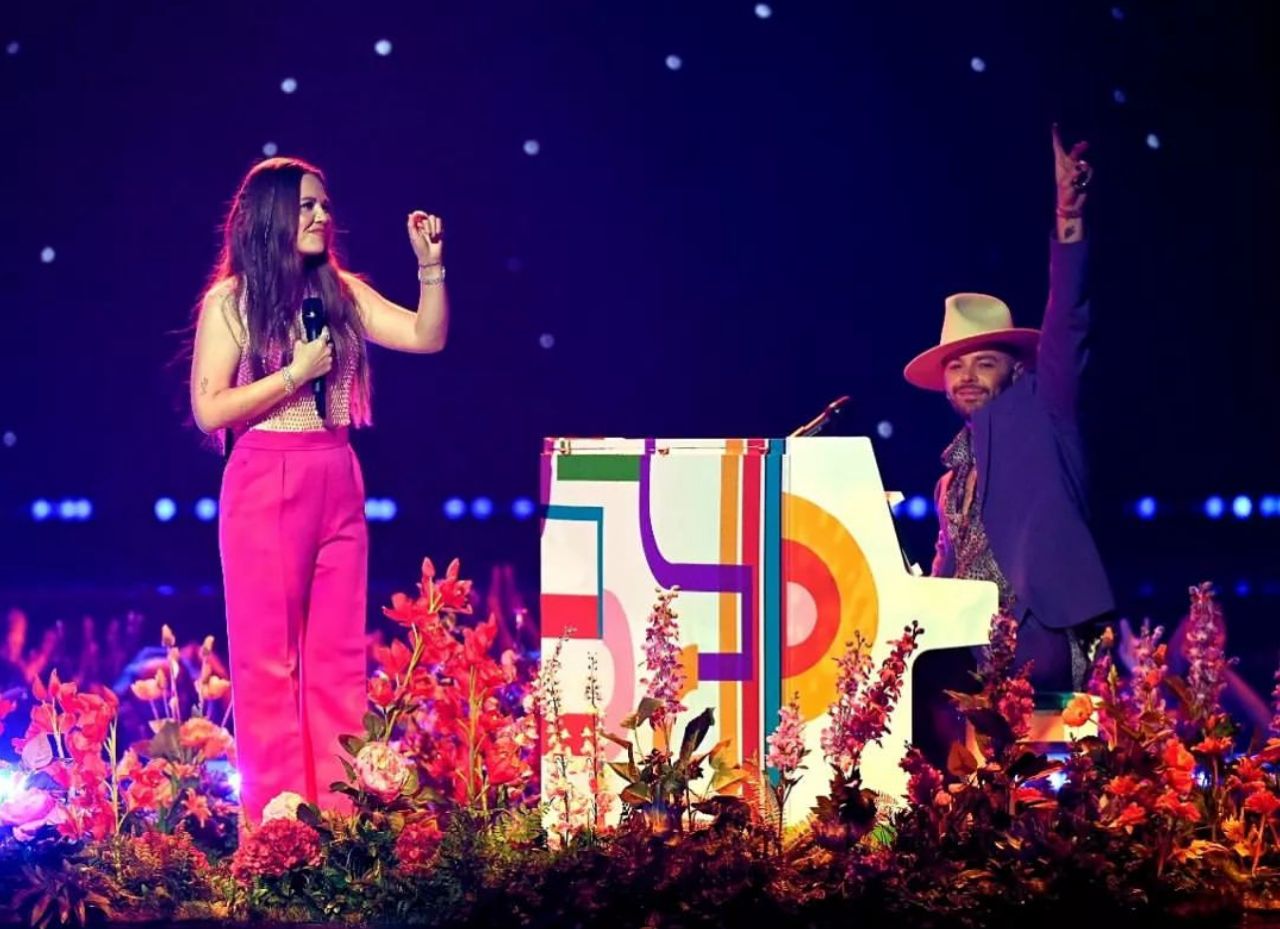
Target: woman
291, 516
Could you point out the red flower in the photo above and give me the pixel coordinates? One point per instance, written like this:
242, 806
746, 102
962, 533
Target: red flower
1130, 816
394, 659
381, 691
1213, 745
453, 594
1126, 785
1170, 803
415, 613
1179, 766
416, 845
1262, 802
274, 849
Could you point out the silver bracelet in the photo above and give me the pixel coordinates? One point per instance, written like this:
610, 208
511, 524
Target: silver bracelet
290, 385
438, 279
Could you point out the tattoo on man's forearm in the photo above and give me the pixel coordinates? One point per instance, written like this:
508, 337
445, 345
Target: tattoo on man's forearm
1068, 232
204, 386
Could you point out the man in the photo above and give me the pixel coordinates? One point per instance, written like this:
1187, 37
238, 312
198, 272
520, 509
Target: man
1011, 505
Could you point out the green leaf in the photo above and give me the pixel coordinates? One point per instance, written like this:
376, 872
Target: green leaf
722, 780
348, 769
960, 761
38, 910
1029, 764
351, 744
618, 740
410, 783
308, 815
695, 732
626, 770
637, 794
165, 743
372, 724
648, 706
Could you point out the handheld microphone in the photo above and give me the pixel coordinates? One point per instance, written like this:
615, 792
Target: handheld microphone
313, 320
819, 422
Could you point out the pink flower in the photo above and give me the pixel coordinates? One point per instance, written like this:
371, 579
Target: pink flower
1206, 637
381, 770
662, 660
925, 781
29, 808
860, 714
786, 744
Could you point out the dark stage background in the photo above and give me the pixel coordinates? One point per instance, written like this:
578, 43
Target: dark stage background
663, 219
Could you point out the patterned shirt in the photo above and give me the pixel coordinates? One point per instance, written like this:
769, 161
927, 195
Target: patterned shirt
974, 558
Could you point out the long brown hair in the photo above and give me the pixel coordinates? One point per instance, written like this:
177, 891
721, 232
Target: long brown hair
270, 276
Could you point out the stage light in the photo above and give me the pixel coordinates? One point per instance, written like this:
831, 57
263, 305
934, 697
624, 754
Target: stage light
1214, 507
977, 64
13, 48
1117, 14
10, 439
1269, 506
270, 149
1146, 508
165, 590
382, 47
1153, 141
531, 147
674, 62
289, 85
522, 508
1243, 588
455, 508
547, 340
884, 429
11, 783
47, 254
165, 509
1242, 506
481, 507
917, 507
206, 509
68, 510
763, 10
1119, 96
41, 510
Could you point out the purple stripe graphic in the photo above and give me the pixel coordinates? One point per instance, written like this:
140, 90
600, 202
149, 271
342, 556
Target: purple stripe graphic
703, 578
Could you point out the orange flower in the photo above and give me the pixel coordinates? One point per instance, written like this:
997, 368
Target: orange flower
215, 688
1078, 711
146, 689
197, 805
206, 736
1179, 766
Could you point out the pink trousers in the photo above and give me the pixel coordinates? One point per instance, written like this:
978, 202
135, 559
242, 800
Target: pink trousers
294, 565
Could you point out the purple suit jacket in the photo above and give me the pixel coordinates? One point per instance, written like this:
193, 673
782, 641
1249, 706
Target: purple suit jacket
1031, 470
